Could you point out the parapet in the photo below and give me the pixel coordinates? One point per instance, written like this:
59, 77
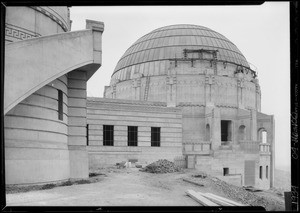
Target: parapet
95, 25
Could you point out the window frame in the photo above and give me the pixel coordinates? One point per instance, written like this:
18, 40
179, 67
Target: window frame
260, 172
155, 136
108, 135
132, 136
225, 171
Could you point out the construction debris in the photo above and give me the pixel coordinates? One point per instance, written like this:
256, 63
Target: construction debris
192, 182
200, 175
161, 166
252, 189
121, 165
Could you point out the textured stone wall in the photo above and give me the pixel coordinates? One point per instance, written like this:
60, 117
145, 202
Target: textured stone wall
36, 141
121, 114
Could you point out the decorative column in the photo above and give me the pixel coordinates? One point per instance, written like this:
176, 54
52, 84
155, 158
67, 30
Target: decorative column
257, 97
171, 91
216, 129
209, 81
136, 84
240, 86
253, 123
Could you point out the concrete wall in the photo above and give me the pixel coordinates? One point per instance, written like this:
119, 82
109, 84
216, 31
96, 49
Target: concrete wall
36, 140
121, 114
264, 182
77, 124
29, 22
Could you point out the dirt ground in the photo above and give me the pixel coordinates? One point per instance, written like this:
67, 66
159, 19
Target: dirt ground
125, 187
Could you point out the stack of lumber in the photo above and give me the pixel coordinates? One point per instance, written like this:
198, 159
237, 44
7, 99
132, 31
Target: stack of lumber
209, 199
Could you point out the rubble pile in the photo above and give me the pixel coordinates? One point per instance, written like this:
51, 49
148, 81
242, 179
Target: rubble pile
161, 166
242, 195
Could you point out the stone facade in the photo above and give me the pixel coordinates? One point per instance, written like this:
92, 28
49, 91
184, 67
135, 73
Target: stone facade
144, 115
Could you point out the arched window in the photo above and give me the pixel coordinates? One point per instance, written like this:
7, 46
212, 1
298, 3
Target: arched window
242, 132
207, 132
264, 137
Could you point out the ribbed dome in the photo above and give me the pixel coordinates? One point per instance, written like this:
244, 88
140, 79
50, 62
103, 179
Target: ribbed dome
168, 42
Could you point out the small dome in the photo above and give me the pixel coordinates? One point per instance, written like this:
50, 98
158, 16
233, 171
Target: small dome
150, 54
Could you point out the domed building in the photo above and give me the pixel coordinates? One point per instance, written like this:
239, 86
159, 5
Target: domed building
187, 94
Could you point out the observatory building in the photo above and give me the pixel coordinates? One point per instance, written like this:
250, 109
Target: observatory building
184, 92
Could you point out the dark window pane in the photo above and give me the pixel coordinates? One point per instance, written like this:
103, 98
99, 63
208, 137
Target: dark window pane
155, 136
108, 135
60, 105
132, 133
87, 134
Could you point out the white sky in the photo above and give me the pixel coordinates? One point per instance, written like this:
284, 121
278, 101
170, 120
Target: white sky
260, 32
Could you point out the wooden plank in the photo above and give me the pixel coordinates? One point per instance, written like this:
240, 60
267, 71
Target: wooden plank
226, 200
200, 199
192, 182
216, 200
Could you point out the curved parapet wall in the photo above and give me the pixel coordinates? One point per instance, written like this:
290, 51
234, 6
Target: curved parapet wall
41, 60
29, 22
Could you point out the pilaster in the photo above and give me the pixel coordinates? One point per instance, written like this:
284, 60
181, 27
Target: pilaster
209, 90
253, 120
136, 84
240, 86
171, 90
216, 129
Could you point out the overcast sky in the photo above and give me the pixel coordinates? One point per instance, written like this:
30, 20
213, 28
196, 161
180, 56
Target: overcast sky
260, 32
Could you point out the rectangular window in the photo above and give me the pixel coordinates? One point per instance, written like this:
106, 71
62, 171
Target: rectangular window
260, 172
108, 135
132, 134
87, 134
226, 130
225, 171
267, 172
155, 136
60, 105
